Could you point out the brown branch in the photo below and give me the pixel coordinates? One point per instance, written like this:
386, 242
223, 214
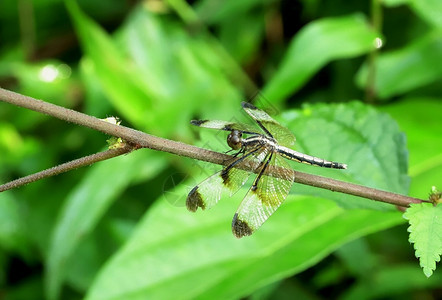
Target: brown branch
136, 137
355, 189
74, 164
141, 139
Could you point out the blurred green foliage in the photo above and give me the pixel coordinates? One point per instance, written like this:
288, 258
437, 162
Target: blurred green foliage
119, 229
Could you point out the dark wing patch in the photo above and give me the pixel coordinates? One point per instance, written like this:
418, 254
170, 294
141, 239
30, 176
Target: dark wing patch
198, 122
194, 200
261, 202
240, 228
208, 192
248, 105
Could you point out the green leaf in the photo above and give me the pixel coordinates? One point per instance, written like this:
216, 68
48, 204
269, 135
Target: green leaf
172, 249
369, 142
393, 280
316, 45
425, 233
13, 234
14, 147
85, 206
30, 288
357, 257
394, 2
131, 97
134, 69
47, 79
429, 10
419, 118
147, 39
212, 12
241, 37
408, 68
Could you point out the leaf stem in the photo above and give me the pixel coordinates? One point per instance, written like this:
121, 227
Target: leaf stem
140, 139
376, 22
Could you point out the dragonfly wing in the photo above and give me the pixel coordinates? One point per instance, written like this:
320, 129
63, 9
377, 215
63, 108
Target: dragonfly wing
261, 202
225, 125
208, 192
284, 136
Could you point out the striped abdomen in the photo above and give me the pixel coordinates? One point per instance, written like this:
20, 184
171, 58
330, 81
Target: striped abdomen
308, 159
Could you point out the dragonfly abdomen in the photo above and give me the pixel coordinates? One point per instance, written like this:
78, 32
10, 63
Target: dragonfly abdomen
308, 159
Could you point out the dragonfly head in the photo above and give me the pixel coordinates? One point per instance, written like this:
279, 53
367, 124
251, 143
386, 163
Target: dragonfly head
234, 139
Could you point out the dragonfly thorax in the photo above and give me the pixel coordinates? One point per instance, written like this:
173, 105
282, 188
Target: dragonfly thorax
236, 141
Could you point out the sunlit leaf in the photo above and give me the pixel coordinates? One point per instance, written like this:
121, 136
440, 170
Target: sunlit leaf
113, 68
173, 247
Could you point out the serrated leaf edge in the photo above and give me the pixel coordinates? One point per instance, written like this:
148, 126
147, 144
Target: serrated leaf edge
431, 259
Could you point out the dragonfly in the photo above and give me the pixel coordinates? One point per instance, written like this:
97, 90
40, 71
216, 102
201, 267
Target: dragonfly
264, 147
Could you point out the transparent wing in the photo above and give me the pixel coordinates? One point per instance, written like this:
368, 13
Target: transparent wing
282, 135
225, 125
209, 192
261, 202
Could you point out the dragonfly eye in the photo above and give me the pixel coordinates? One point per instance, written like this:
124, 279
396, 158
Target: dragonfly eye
234, 139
